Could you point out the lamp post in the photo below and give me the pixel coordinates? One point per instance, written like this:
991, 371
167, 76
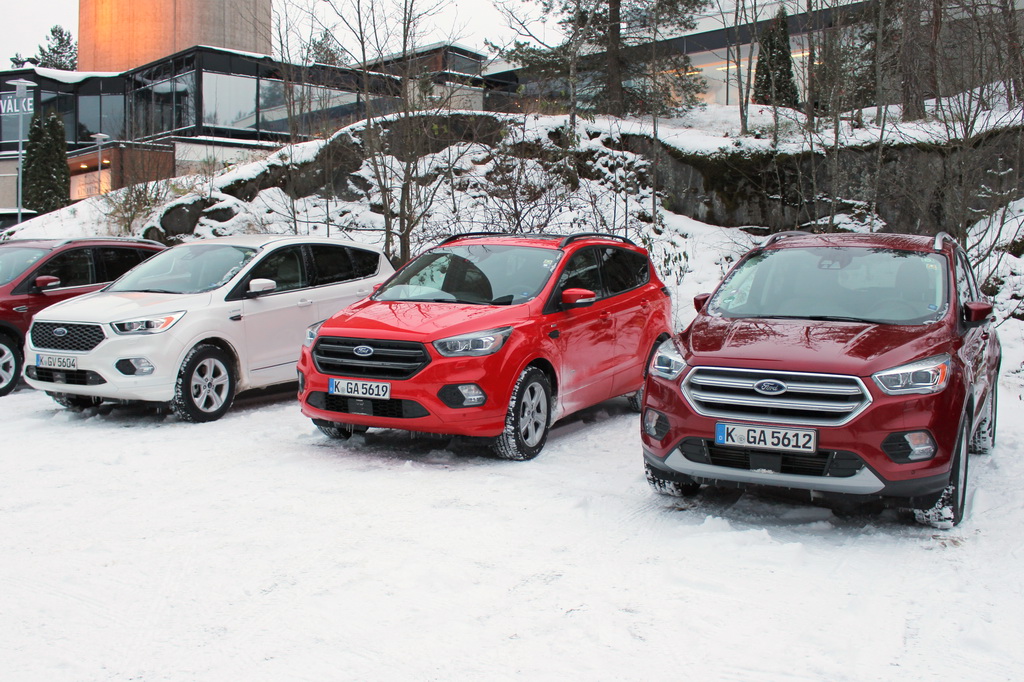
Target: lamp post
21, 86
99, 137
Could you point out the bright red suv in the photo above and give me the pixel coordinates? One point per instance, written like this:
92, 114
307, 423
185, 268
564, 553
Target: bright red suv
860, 365
490, 335
36, 273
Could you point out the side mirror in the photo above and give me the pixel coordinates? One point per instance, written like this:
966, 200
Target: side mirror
700, 300
44, 282
261, 286
578, 298
977, 312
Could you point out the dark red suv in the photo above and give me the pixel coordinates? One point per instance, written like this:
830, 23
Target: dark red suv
853, 365
36, 273
490, 335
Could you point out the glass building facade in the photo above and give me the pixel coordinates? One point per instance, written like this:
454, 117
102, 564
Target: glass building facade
202, 92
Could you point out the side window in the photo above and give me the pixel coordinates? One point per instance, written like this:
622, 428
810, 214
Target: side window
623, 270
73, 268
332, 264
115, 261
581, 272
285, 267
365, 263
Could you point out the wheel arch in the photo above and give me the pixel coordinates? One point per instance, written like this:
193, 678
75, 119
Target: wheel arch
228, 348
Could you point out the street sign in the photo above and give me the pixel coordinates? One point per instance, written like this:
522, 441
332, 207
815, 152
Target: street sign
12, 105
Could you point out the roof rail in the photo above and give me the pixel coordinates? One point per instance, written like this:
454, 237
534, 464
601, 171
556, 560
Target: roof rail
590, 235
453, 237
937, 246
782, 235
136, 240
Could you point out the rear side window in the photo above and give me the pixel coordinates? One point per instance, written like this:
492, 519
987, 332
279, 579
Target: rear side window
623, 270
364, 263
332, 264
115, 261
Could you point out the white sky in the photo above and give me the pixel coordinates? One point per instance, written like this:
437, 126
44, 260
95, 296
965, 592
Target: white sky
28, 23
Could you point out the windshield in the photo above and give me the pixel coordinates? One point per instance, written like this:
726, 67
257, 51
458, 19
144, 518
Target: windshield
837, 283
186, 269
489, 274
15, 260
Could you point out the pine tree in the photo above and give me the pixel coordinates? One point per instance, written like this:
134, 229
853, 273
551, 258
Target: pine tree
325, 50
61, 51
47, 179
774, 83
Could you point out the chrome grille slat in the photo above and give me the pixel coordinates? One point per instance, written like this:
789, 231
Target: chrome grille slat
390, 359
809, 399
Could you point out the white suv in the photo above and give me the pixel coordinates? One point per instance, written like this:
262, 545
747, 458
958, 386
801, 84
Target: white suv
198, 322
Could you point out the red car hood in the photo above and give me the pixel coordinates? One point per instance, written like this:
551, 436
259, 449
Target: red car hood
412, 321
807, 345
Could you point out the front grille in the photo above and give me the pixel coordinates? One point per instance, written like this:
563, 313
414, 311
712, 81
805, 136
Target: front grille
392, 408
831, 463
75, 336
390, 359
73, 377
810, 399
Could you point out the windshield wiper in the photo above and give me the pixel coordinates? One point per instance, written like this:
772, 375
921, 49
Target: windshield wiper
822, 318
148, 291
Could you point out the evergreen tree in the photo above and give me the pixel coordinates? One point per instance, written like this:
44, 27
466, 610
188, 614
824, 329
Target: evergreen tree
61, 51
47, 179
774, 83
325, 49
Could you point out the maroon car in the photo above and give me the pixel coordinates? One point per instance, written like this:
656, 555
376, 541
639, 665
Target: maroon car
36, 273
858, 366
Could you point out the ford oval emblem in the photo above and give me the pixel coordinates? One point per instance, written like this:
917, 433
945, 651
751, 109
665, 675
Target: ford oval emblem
60, 331
770, 387
363, 351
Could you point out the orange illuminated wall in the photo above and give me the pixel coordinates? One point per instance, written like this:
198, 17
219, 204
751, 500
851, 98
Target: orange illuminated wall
117, 35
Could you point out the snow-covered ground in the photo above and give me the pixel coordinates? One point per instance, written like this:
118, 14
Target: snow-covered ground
137, 547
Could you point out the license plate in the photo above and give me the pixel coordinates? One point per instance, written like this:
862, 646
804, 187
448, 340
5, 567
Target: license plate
57, 361
766, 437
377, 390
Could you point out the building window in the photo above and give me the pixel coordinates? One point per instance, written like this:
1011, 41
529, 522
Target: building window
229, 101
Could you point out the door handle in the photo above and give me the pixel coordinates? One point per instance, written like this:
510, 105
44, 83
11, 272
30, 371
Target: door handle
21, 309
305, 302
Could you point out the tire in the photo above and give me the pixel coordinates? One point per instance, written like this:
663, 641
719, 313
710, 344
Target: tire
205, 386
984, 438
10, 364
73, 402
684, 486
334, 430
528, 419
948, 510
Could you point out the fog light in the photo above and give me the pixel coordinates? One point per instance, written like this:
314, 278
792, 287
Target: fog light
462, 395
302, 382
138, 367
909, 446
655, 424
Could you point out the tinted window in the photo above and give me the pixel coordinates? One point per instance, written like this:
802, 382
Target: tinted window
285, 267
117, 261
332, 264
73, 268
365, 263
623, 270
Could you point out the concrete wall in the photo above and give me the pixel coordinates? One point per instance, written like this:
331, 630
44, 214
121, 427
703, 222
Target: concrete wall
117, 35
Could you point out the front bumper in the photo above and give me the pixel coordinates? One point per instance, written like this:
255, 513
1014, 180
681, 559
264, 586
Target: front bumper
850, 459
97, 374
414, 404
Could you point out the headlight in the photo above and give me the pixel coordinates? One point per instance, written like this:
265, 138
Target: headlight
148, 325
475, 344
668, 362
311, 332
924, 376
